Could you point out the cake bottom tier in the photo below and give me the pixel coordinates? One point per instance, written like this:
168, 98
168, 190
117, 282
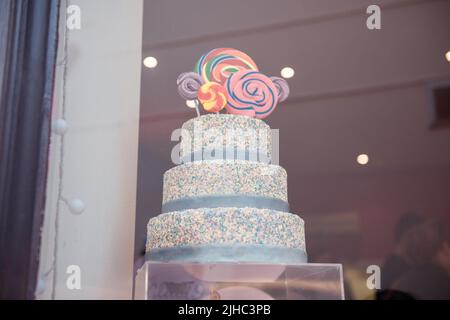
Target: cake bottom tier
238, 235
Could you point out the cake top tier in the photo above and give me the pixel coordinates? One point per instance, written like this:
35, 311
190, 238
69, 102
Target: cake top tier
226, 136
226, 78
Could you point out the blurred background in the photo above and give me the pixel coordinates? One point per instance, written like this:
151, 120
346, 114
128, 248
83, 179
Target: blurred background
364, 135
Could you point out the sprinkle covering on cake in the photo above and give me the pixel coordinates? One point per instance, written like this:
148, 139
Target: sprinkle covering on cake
216, 131
223, 177
226, 226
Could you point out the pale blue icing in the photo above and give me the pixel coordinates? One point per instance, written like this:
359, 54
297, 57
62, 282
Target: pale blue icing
229, 253
216, 201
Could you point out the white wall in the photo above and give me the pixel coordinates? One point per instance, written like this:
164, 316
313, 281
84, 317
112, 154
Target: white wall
98, 94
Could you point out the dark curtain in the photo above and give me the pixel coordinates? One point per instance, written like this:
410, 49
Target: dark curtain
28, 45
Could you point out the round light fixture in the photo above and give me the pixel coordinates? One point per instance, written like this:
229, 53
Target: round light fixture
447, 56
150, 62
362, 159
287, 72
191, 104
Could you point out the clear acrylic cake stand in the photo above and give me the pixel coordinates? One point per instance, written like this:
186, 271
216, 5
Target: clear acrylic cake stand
229, 281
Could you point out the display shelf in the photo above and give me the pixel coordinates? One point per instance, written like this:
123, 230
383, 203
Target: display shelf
229, 281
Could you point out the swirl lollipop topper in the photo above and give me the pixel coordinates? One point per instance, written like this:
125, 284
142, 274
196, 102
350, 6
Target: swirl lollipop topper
251, 93
228, 78
188, 85
218, 64
212, 96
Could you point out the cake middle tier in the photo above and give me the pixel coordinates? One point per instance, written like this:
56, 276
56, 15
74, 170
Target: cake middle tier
225, 183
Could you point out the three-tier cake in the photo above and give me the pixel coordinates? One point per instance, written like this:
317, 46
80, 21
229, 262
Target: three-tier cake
227, 202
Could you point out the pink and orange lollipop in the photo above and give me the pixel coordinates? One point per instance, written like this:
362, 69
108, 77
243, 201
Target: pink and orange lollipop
212, 96
219, 64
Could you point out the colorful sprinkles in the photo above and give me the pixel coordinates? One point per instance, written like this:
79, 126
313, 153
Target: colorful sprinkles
215, 131
226, 226
225, 177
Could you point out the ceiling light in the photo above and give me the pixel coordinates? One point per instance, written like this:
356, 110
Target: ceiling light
287, 72
362, 159
447, 56
191, 103
150, 62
